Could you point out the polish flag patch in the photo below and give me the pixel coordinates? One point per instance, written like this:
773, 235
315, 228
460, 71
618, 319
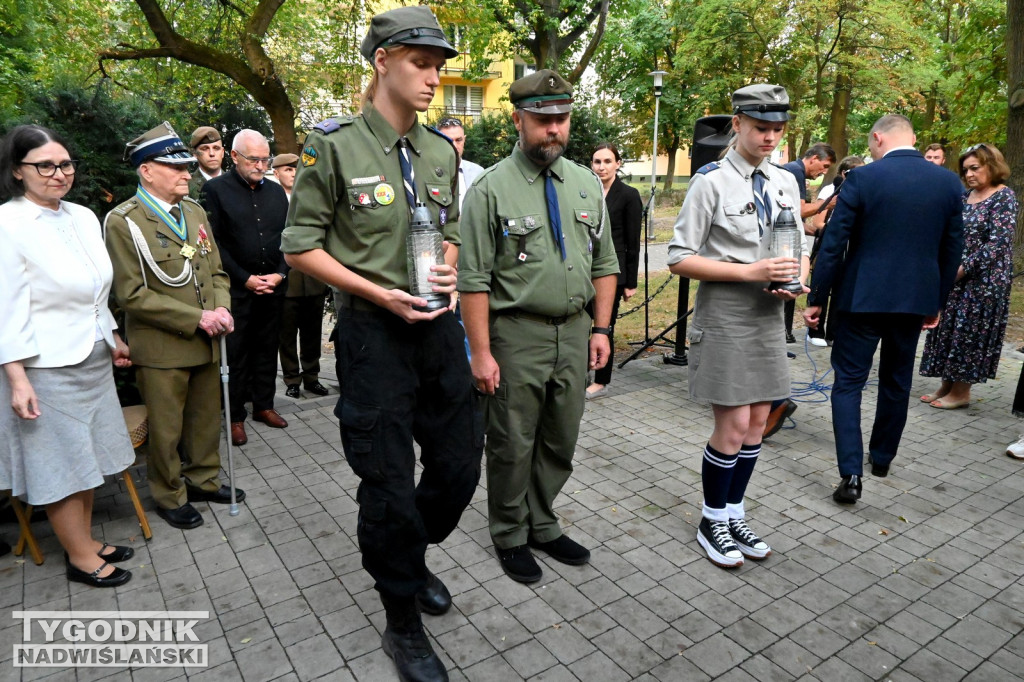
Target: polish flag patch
436, 192
584, 215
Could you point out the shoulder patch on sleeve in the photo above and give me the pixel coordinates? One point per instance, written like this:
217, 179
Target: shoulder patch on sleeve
708, 167
333, 124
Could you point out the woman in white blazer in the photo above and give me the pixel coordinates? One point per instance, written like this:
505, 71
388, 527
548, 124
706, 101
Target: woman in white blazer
64, 430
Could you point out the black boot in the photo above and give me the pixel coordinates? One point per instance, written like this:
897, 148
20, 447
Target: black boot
406, 643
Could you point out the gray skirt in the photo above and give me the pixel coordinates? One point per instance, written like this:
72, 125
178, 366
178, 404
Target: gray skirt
79, 437
737, 345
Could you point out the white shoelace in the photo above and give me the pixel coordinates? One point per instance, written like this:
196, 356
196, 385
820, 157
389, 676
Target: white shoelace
721, 535
740, 528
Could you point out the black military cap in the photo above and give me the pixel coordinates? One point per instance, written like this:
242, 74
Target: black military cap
762, 101
542, 92
405, 26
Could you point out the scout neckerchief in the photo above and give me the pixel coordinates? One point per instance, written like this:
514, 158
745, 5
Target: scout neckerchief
178, 226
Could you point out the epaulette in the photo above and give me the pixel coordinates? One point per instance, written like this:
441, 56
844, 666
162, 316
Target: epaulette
188, 198
332, 124
442, 136
708, 167
124, 208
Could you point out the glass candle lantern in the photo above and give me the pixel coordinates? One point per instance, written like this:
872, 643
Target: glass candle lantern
787, 242
424, 249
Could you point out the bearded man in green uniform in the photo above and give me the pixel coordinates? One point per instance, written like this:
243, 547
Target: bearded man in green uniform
169, 281
403, 373
536, 250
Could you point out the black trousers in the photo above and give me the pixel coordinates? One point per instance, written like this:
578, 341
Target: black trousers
302, 316
604, 375
402, 383
858, 335
252, 353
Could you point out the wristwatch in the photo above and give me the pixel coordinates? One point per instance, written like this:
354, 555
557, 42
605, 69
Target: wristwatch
607, 331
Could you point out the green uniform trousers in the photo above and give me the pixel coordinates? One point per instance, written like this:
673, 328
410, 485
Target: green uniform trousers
184, 408
533, 421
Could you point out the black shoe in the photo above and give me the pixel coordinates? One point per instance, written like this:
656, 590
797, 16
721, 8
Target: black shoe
519, 564
118, 577
879, 470
413, 655
184, 517
221, 496
434, 598
790, 338
563, 549
716, 539
848, 491
119, 554
292, 391
316, 388
778, 417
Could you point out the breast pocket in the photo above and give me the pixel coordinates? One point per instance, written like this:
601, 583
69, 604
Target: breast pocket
371, 205
524, 237
171, 262
741, 217
441, 198
586, 228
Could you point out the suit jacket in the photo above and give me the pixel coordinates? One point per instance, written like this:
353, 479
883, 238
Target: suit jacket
162, 321
625, 214
49, 305
895, 239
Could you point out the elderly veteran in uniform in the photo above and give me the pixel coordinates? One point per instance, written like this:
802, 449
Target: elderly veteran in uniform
169, 281
209, 151
403, 372
536, 249
302, 315
738, 358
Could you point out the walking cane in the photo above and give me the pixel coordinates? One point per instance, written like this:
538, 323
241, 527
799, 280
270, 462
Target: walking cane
233, 509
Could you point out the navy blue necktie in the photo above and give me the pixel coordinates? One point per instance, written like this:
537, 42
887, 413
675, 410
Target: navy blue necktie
763, 203
554, 216
408, 177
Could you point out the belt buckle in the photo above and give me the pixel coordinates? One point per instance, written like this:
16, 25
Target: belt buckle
558, 320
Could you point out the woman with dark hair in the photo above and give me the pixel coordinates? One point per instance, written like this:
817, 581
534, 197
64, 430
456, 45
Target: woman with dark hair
64, 431
964, 348
624, 215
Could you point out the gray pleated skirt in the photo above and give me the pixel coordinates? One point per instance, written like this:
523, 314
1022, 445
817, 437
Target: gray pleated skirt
79, 438
737, 345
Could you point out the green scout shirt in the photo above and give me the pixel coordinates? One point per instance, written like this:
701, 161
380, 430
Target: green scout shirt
509, 250
349, 199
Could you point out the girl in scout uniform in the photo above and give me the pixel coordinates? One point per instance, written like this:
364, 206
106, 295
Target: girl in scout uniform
737, 349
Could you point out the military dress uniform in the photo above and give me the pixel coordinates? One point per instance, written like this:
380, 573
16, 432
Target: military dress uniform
176, 363
539, 329
399, 381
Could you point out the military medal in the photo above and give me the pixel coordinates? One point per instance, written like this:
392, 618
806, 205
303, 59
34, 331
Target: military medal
203, 242
188, 251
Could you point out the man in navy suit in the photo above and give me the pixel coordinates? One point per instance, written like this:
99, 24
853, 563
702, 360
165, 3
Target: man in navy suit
891, 251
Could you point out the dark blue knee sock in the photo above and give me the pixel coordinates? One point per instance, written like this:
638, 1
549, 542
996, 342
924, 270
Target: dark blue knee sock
717, 471
741, 473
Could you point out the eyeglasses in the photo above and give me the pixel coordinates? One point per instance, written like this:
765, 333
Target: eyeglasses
975, 147
48, 169
265, 160
449, 123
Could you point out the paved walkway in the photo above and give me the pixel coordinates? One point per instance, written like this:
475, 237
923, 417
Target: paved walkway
922, 580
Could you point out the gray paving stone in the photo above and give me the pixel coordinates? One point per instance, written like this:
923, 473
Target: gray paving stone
716, 654
529, 659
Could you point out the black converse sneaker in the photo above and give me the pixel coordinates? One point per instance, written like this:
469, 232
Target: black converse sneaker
748, 543
715, 538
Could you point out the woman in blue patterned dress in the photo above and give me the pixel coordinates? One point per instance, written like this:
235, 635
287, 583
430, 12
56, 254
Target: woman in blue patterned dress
964, 349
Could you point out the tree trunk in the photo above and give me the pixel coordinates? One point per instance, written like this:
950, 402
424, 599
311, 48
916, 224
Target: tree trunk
670, 169
1015, 118
837, 136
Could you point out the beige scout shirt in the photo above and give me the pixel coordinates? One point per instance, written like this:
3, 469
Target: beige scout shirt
509, 249
718, 219
349, 199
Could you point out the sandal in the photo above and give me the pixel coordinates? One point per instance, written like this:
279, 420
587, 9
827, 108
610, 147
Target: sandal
938, 404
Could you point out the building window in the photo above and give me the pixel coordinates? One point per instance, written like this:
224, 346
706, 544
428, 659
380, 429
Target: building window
464, 100
521, 69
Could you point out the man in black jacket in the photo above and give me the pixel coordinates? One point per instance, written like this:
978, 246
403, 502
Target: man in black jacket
247, 214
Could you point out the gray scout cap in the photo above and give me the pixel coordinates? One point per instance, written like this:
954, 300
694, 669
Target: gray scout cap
542, 92
405, 26
762, 101
204, 135
159, 144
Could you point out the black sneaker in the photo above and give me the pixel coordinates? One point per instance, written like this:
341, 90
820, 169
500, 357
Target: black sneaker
413, 656
519, 564
716, 539
563, 549
748, 543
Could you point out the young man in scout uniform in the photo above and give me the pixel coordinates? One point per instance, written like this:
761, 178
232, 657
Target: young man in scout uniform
209, 152
302, 315
403, 372
536, 250
169, 281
